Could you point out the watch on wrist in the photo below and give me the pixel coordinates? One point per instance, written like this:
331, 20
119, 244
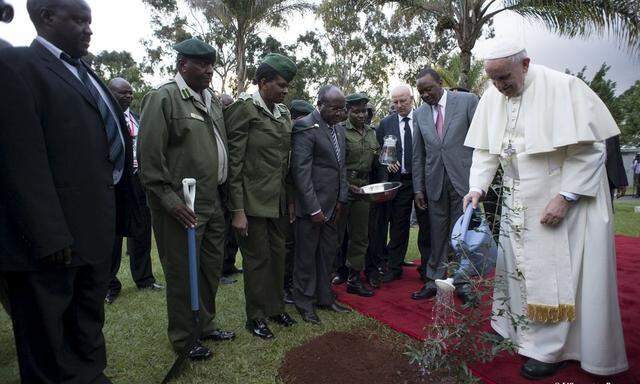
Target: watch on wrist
568, 199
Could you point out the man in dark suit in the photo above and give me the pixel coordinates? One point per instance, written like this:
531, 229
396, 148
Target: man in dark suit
320, 179
139, 244
400, 125
616, 173
441, 166
65, 183
4, 297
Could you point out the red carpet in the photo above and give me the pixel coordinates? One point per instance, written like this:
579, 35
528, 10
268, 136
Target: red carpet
393, 306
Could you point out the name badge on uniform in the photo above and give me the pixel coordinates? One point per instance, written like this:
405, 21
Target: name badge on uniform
197, 117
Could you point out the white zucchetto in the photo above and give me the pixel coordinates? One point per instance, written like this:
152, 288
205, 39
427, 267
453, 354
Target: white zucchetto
501, 48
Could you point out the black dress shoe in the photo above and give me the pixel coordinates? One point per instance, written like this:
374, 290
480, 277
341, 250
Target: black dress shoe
338, 279
308, 316
260, 329
231, 271
408, 264
426, 292
283, 319
199, 352
374, 281
226, 280
536, 370
355, 285
219, 335
111, 297
152, 287
288, 297
335, 307
391, 276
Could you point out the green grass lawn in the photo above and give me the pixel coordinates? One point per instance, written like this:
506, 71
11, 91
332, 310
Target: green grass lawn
139, 352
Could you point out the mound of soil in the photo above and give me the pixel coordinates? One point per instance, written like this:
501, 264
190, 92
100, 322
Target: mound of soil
340, 357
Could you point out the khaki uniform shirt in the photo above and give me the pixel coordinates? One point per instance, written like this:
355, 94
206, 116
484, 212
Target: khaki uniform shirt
362, 153
259, 146
182, 135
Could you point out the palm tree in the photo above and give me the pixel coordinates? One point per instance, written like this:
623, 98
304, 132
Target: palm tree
243, 17
468, 18
450, 69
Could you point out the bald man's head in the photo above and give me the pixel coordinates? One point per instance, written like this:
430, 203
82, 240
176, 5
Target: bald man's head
122, 91
64, 23
332, 104
226, 100
402, 99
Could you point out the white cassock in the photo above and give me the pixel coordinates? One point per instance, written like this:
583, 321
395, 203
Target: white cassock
549, 140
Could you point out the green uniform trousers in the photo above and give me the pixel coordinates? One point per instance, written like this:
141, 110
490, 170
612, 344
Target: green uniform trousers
355, 221
263, 262
171, 238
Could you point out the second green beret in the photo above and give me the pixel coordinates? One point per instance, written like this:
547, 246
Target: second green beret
281, 64
356, 97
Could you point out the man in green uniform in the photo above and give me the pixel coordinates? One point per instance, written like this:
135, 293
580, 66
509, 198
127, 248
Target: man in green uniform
182, 135
259, 127
362, 152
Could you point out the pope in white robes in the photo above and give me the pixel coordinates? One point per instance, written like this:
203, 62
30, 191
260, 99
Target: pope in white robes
556, 266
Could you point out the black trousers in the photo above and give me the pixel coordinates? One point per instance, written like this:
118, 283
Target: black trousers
340, 263
58, 315
315, 254
139, 251
230, 249
4, 295
289, 256
378, 234
400, 224
424, 239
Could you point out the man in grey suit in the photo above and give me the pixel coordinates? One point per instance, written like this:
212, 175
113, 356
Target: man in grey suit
321, 188
441, 166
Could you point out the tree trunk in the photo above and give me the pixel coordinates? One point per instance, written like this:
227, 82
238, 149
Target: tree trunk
241, 68
465, 68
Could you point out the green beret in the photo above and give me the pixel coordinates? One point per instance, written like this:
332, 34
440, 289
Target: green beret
197, 49
356, 98
301, 107
281, 64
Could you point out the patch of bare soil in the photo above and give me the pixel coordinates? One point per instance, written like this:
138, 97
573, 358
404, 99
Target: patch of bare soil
353, 358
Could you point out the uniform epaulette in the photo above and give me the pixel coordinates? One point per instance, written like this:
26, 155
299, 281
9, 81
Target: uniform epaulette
165, 83
301, 126
283, 109
215, 98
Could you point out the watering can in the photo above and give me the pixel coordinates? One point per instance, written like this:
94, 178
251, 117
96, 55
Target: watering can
474, 246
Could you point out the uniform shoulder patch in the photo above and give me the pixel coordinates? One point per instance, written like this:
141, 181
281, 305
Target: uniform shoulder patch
283, 110
166, 82
301, 126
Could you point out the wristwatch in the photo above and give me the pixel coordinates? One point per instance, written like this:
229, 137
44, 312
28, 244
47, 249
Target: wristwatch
568, 199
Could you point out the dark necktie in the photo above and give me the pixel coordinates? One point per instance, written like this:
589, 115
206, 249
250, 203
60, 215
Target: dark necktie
116, 148
408, 146
334, 140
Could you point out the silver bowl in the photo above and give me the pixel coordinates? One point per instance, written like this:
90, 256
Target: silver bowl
380, 192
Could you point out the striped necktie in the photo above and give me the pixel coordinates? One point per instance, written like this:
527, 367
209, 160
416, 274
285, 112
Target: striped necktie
116, 147
334, 140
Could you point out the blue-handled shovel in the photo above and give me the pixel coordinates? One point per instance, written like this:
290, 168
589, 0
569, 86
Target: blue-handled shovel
189, 189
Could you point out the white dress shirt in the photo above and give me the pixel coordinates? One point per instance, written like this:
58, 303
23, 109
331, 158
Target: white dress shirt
55, 51
133, 131
400, 118
443, 104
